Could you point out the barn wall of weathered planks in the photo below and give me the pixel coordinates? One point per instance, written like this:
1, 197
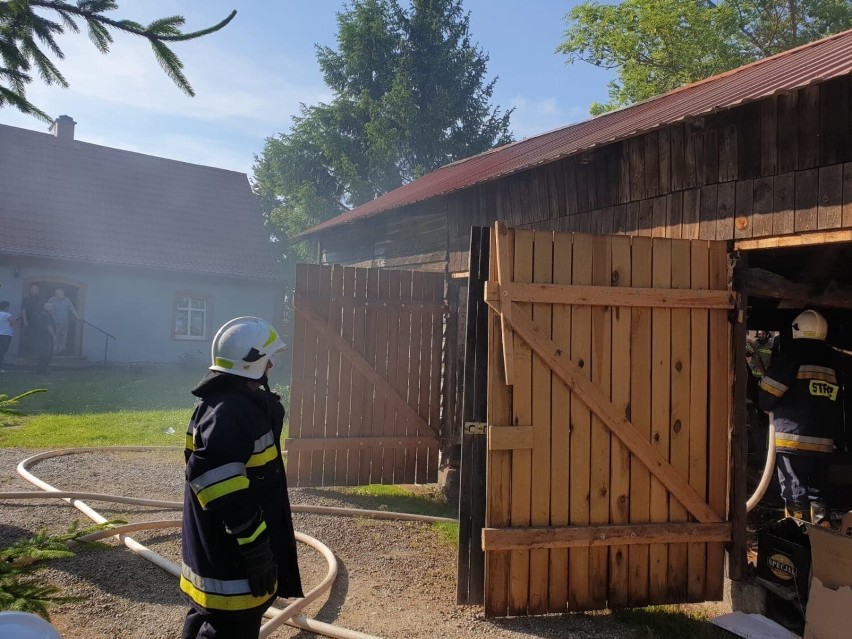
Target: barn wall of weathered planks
780, 166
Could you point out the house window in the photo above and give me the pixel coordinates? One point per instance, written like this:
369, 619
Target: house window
190, 312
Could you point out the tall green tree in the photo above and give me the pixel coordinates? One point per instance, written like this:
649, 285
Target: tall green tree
658, 45
28, 32
409, 95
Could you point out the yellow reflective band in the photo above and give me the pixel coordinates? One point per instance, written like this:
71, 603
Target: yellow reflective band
232, 485
224, 363
769, 388
242, 541
190, 442
272, 337
823, 377
823, 389
805, 446
259, 459
222, 602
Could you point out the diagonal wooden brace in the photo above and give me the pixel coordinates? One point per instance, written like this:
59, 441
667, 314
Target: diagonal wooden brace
524, 328
304, 307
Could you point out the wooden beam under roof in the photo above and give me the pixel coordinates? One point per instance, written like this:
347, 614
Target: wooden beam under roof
762, 283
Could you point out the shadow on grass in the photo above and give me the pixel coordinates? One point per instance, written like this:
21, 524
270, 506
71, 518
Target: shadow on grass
104, 390
668, 622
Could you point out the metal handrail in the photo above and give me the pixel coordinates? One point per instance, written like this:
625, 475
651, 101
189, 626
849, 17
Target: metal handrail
107, 337
98, 328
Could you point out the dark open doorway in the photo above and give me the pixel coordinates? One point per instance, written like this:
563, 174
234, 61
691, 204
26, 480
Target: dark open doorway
70, 343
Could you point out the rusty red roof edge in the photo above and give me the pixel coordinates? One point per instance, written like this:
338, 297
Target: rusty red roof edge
797, 68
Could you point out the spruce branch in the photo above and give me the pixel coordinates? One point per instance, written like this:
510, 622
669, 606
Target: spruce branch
19, 588
27, 39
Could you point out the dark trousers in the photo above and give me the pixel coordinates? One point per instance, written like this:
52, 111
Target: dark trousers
5, 340
44, 351
803, 479
206, 626
28, 340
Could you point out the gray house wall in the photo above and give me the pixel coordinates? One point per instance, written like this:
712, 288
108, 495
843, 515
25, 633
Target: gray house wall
136, 306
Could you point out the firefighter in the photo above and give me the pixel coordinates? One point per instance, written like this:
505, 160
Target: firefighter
801, 389
238, 543
759, 353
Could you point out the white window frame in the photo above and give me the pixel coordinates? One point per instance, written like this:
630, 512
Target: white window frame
176, 308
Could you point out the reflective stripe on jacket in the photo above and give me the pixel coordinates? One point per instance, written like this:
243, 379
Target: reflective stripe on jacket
801, 388
235, 490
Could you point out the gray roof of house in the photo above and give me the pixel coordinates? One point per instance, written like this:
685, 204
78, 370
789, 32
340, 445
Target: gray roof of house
72, 200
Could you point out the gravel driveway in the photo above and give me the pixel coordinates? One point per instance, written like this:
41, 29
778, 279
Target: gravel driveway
396, 579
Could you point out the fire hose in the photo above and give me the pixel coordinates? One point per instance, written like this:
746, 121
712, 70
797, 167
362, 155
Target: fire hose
276, 617
769, 467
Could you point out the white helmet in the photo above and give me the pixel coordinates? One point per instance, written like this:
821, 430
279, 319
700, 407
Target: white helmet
25, 625
243, 346
810, 325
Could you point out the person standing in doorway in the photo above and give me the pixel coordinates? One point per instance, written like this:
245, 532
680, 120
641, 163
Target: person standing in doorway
238, 542
44, 338
6, 331
31, 307
802, 390
63, 308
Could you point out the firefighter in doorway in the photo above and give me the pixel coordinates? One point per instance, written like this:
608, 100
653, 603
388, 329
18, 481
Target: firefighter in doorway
239, 547
801, 389
759, 353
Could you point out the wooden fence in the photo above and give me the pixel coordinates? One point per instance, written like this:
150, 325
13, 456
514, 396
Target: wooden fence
609, 397
367, 358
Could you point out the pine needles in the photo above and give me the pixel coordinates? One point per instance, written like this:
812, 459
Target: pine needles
19, 589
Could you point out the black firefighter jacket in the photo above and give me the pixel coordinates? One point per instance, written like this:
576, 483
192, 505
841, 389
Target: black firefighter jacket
802, 390
235, 487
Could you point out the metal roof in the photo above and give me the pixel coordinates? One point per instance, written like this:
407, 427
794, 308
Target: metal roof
809, 64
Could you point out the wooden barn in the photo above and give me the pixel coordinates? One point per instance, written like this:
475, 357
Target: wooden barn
611, 422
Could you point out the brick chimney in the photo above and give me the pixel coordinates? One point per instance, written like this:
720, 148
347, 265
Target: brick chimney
63, 129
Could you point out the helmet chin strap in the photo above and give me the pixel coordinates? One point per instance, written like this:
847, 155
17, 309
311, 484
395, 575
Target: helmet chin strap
263, 380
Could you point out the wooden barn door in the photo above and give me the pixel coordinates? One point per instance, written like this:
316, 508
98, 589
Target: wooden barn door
367, 358
609, 394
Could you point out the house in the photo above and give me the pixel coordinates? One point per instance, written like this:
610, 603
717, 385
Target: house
154, 252
753, 167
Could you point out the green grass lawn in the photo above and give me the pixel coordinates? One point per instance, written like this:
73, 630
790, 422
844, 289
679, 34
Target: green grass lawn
117, 406
99, 407
99, 390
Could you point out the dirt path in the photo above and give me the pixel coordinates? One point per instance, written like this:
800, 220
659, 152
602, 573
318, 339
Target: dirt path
396, 579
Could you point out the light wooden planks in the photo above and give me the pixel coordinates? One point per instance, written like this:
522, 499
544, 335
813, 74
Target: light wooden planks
620, 414
436, 289
601, 364
619, 509
349, 416
679, 419
600, 295
300, 383
661, 328
719, 418
542, 315
519, 561
560, 441
602, 536
578, 464
640, 415
355, 368
359, 463
336, 419
499, 466
700, 279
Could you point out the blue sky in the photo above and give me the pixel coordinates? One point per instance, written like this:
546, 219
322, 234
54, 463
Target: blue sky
251, 76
